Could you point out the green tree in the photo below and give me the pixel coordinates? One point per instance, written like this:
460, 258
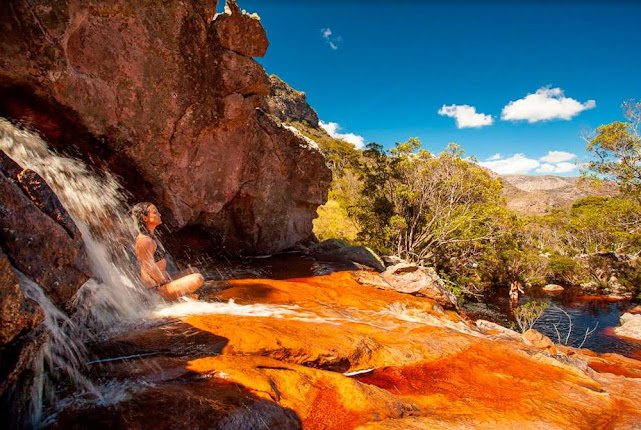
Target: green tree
617, 150
442, 210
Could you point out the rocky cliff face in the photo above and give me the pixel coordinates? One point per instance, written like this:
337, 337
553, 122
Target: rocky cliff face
536, 195
168, 95
287, 104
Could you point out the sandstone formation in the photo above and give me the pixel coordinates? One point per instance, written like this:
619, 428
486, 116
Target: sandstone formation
41, 240
330, 353
38, 235
171, 100
287, 104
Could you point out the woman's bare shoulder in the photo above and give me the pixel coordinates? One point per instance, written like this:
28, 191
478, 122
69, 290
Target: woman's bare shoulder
142, 240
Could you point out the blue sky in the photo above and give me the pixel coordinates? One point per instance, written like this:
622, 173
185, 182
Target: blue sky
387, 69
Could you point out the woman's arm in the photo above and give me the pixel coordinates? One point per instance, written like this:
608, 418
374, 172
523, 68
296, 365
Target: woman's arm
145, 249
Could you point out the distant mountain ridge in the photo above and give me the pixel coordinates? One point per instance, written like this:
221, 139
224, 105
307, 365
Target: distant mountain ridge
537, 195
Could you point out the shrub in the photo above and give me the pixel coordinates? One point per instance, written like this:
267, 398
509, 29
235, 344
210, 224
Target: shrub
564, 270
528, 314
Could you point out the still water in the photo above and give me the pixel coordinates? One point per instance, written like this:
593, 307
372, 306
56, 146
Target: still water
569, 309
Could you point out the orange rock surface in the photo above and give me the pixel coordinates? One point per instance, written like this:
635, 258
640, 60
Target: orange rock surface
431, 369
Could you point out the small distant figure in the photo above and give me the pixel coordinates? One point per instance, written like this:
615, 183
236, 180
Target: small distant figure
515, 289
151, 256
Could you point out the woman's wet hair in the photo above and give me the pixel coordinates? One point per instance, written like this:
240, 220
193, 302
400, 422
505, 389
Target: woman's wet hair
137, 212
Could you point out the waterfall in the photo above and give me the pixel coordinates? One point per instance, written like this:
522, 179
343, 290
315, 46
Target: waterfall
63, 350
114, 296
97, 205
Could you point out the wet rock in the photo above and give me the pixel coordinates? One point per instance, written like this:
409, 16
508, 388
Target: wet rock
630, 326
172, 101
17, 314
423, 281
320, 398
553, 288
287, 104
340, 339
43, 196
540, 341
285, 345
189, 402
36, 240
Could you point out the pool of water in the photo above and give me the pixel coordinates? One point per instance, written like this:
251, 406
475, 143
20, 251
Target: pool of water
572, 313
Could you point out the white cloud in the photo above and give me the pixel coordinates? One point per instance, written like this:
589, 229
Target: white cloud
466, 116
558, 157
331, 40
553, 163
332, 129
563, 167
518, 164
546, 104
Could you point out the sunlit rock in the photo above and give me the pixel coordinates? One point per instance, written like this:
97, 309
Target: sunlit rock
539, 340
423, 281
630, 326
553, 288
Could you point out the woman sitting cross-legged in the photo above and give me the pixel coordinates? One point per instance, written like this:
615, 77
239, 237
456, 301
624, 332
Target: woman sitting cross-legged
151, 256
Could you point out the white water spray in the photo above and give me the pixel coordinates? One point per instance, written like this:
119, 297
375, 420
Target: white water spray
112, 297
97, 205
62, 351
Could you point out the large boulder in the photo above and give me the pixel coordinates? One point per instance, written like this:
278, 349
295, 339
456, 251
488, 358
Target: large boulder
422, 281
630, 326
338, 251
170, 100
38, 235
492, 328
553, 288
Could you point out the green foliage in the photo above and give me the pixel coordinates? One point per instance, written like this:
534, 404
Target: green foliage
565, 270
528, 314
445, 211
616, 148
334, 218
604, 224
339, 154
426, 208
333, 222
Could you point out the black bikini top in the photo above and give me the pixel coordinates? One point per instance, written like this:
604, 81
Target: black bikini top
159, 253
